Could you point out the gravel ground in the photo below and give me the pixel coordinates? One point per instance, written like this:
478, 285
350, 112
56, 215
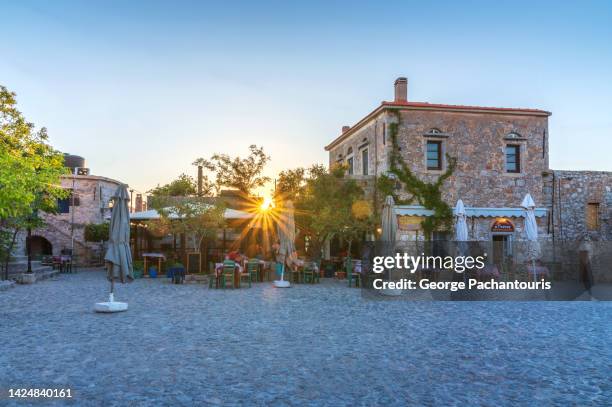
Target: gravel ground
308, 345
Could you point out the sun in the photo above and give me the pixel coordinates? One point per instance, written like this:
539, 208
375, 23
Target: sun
267, 204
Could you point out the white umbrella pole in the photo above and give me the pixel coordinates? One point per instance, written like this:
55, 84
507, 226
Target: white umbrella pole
282, 283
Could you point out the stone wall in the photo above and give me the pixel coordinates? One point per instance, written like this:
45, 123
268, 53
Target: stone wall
568, 194
93, 194
478, 142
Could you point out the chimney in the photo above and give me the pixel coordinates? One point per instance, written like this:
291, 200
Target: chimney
138, 202
401, 89
345, 129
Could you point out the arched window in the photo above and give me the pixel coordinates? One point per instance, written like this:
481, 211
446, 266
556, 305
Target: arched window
435, 131
513, 135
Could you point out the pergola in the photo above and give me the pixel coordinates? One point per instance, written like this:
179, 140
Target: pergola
142, 240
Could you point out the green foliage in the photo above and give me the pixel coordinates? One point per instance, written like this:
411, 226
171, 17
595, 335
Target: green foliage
243, 174
30, 172
96, 232
290, 183
329, 205
194, 217
427, 194
30, 169
184, 185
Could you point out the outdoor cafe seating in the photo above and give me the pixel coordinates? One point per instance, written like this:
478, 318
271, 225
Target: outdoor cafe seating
233, 274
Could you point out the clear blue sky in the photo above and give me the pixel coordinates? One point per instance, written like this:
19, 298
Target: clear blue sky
172, 81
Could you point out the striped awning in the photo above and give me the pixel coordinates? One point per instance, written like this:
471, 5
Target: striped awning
418, 210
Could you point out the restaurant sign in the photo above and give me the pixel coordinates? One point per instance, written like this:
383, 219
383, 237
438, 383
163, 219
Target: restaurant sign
502, 225
406, 222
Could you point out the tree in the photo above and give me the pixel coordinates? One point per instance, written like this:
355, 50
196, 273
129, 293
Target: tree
290, 183
184, 185
197, 219
330, 205
97, 233
243, 174
30, 171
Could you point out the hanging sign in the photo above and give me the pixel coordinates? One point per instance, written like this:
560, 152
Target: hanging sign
502, 225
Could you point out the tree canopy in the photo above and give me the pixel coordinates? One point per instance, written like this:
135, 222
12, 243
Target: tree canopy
183, 185
327, 204
243, 174
30, 171
30, 168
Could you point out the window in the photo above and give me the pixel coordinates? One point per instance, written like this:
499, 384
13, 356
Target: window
64, 204
364, 162
513, 158
592, 216
384, 134
349, 160
434, 155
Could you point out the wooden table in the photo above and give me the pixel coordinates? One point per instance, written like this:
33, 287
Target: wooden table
159, 256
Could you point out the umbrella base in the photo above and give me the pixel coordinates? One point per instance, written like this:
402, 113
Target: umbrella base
392, 291
111, 305
281, 284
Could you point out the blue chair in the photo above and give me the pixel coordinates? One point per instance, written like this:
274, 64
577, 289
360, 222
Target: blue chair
177, 274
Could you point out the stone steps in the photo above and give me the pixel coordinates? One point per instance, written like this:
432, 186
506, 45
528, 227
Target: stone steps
21, 266
38, 274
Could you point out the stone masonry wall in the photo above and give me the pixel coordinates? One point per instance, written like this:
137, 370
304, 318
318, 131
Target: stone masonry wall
569, 193
478, 142
94, 195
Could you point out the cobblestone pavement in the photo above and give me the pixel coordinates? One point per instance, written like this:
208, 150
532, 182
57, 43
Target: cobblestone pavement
308, 345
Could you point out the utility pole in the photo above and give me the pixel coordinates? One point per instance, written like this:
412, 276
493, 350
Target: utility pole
74, 173
200, 175
29, 247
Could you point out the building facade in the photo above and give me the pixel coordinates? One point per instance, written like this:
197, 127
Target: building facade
501, 154
89, 202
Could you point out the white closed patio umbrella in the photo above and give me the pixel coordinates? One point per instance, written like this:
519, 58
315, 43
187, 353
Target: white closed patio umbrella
286, 233
531, 232
389, 231
118, 257
461, 229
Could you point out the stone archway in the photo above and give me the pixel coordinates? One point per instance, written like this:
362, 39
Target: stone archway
39, 247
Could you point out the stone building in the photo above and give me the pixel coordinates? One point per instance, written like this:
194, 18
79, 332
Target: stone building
88, 203
579, 204
501, 155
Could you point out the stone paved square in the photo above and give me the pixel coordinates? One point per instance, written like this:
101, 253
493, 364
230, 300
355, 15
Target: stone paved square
185, 345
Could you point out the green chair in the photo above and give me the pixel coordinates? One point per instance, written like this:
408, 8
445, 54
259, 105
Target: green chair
253, 269
227, 276
309, 275
294, 274
350, 275
246, 274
